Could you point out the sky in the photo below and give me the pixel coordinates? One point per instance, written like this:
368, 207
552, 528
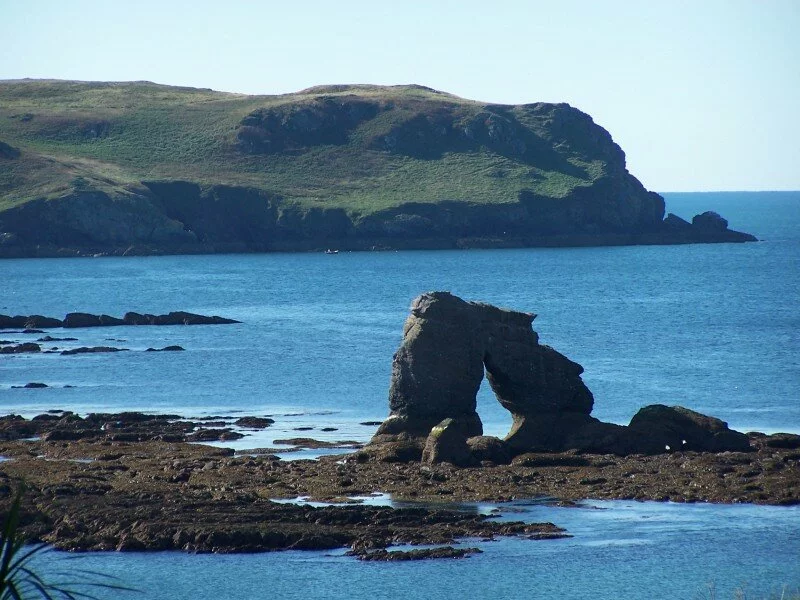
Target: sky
702, 95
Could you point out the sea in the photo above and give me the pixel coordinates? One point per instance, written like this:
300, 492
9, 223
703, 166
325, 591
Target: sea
712, 327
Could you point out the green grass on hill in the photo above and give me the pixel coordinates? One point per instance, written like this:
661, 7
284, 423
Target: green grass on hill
111, 136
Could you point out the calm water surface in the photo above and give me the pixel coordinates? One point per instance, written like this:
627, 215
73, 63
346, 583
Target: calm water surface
711, 327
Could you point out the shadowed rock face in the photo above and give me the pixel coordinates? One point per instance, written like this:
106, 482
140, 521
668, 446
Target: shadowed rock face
447, 346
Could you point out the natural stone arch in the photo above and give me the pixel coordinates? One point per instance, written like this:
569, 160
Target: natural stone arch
436, 373
447, 346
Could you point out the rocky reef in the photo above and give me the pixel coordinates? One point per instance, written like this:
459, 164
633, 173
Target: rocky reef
131, 482
80, 319
447, 346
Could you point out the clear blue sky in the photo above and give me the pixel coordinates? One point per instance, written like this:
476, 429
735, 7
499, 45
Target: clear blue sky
701, 94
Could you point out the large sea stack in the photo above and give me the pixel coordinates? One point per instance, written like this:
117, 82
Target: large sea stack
447, 346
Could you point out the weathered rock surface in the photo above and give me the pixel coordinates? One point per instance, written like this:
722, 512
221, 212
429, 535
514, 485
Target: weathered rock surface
710, 222
486, 448
255, 422
384, 555
129, 482
79, 319
214, 435
166, 349
672, 428
174, 318
447, 443
91, 350
447, 346
41, 322
126, 491
449, 343
21, 348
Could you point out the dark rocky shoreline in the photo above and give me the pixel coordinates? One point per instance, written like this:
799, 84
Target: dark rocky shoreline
370, 244
133, 482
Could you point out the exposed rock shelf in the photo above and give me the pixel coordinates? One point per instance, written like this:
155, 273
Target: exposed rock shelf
129, 486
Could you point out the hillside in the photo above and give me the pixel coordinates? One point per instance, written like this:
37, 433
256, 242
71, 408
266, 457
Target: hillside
146, 168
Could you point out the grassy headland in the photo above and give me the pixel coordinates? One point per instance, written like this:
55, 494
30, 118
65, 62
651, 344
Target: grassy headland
372, 154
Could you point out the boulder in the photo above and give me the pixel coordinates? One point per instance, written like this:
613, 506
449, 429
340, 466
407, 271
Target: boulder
660, 428
390, 452
38, 321
710, 222
486, 448
79, 319
447, 443
21, 348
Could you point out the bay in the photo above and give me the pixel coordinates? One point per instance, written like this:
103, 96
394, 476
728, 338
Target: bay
714, 328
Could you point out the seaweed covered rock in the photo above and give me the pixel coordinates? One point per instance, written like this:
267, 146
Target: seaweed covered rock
447, 443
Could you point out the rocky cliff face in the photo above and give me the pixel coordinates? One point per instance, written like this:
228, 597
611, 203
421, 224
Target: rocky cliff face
184, 217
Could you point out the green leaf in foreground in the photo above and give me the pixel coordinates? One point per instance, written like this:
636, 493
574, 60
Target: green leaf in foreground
19, 578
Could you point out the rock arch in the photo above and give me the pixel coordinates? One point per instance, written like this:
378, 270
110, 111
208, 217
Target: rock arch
447, 346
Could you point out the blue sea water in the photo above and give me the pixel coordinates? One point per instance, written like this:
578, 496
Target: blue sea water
711, 327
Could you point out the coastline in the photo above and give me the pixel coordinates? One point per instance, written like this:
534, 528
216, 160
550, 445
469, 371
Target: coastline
106, 490
380, 244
